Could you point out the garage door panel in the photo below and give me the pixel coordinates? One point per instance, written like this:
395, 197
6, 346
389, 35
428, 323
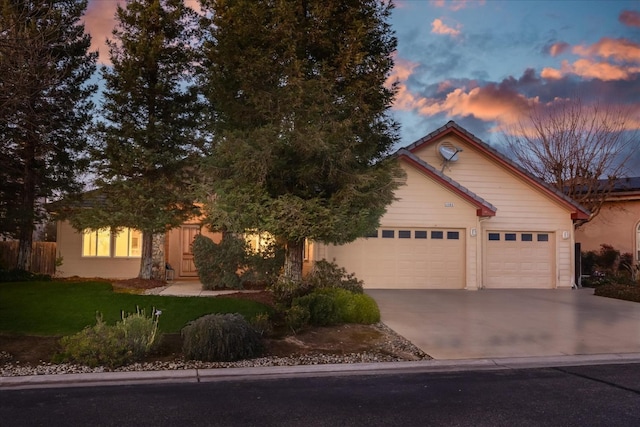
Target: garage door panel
519, 260
406, 262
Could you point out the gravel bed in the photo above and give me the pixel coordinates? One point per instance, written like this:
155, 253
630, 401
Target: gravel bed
395, 349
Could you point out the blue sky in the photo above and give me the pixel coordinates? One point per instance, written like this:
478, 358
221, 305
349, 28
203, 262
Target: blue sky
481, 62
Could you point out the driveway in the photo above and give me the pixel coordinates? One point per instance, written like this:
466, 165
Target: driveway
450, 324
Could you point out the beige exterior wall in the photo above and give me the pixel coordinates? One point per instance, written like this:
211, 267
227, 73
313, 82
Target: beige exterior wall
69, 246
616, 225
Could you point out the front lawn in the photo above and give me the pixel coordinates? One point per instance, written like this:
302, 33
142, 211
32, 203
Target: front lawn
64, 308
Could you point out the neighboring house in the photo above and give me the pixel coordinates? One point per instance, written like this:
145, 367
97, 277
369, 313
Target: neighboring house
467, 218
618, 223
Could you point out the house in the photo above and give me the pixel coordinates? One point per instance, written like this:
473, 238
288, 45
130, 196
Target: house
618, 223
466, 218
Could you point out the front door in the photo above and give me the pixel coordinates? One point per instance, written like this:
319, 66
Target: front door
187, 234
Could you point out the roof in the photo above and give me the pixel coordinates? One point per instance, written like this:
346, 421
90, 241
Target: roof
577, 211
625, 184
483, 208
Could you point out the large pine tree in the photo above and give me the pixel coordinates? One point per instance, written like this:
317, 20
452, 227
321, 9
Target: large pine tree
148, 131
45, 109
300, 118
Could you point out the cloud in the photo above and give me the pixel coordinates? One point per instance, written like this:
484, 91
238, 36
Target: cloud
456, 5
558, 48
439, 27
617, 49
99, 21
630, 18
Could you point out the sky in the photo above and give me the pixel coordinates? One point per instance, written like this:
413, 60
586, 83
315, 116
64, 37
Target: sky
481, 63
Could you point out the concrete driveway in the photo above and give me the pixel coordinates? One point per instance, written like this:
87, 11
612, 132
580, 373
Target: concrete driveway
510, 323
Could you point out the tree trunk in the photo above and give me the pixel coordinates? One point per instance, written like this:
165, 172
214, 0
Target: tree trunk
146, 262
28, 207
293, 261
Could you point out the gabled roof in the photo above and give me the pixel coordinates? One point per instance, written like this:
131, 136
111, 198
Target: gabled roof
577, 211
483, 208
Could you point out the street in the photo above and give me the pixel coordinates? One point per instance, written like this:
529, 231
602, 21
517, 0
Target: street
604, 395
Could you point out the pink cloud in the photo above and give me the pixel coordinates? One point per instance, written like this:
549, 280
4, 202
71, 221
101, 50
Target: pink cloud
456, 5
558, 48
617, 49
439, 27
99, 21
630, 18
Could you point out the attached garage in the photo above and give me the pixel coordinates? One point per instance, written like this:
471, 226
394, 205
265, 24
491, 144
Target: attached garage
412, 258
466, 218
519, 260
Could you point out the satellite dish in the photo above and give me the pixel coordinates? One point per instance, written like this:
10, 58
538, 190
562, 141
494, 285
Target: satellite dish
449, 153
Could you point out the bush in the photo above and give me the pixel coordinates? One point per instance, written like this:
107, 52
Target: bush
297, 318
265, 265
285, 291
262, 324
129, 340
220, 338
337, 306
329, 275
624, 292
218, 263
17, 275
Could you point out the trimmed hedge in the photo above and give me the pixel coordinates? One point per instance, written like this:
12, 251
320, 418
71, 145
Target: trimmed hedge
623, 292
335, 306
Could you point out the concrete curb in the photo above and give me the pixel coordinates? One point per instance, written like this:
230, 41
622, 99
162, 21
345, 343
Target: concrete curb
306, 371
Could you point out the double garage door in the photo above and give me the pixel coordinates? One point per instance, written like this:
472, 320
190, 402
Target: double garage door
434, 258
405, 258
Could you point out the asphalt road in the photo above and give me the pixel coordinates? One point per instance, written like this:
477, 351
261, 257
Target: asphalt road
604, 395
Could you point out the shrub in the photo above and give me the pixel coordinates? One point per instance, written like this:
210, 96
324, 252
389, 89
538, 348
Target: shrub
262, 324
624, 292
285, 291
296, 318
322, 308
329, 275
220, 338
218, 263
129, 340
337, 306
264, 265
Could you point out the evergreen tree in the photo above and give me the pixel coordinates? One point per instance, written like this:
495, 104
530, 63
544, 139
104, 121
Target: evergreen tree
148, 134
45, 109
301, 125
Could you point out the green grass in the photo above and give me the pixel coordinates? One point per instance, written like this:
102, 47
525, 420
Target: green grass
64, 308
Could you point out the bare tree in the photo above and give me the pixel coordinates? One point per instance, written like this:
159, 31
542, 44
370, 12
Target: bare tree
581, 149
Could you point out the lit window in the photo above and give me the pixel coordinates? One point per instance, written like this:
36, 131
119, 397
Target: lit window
96, 243
128, 243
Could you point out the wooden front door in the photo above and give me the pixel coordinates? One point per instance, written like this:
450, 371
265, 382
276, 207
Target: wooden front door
187, 234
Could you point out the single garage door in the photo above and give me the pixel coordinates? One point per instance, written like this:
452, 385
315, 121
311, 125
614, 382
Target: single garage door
406, 258
519, 260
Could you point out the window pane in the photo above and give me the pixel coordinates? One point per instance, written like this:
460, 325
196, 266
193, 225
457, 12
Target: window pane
88, 243
494, 236
510, 236
388, 234
437, 234
420, 234
122, 243
135, 249
527, 237
404, 234
104, 242
543, 237
453, 235
372, 234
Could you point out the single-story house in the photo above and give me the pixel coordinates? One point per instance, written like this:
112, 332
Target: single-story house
466, 218
618, 223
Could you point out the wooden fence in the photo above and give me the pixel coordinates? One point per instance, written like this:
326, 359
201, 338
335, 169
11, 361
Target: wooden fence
43, 256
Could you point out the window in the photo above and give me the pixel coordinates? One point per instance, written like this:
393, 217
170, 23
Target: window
494, 236
527, 237
437, 234
388, 234
99, 243
453, 235
128, 243
420, 234
510, 236
543, 237
404, 234
374, 233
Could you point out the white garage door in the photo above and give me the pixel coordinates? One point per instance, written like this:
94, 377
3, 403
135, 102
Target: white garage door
406, 258
519, 260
